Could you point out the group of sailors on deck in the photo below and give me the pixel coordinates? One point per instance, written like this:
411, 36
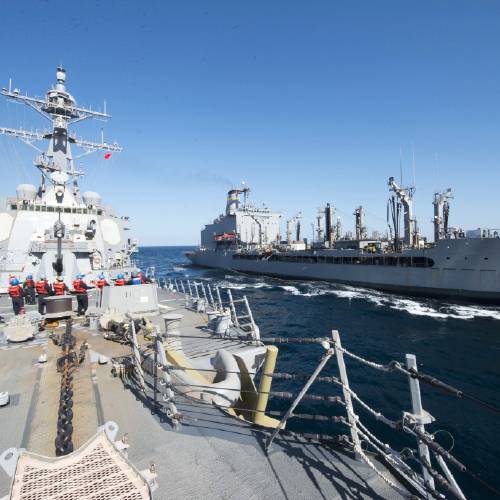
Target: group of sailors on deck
41, 289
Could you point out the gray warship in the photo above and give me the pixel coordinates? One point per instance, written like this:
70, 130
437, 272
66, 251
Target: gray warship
161, 390
53, 226
458, 264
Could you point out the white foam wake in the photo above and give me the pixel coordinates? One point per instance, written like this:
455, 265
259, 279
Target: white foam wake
411, 306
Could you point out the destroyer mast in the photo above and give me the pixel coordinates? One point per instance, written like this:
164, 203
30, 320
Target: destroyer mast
54, 243
59, 107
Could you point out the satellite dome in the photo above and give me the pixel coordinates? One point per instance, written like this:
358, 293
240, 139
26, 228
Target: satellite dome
26, 192
91, 198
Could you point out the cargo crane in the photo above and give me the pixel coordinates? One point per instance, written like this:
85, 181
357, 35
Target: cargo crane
289, 223
441, 214
359, 213
403, 198
329, 233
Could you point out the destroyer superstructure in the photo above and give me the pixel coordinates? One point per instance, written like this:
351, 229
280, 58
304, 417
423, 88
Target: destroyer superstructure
53, 230
458, 264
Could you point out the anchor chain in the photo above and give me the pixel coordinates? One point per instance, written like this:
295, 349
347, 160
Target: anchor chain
66, 364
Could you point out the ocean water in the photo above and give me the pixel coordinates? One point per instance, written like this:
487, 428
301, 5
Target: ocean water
458, 343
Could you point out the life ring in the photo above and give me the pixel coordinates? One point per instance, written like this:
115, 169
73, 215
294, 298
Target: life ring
96, 260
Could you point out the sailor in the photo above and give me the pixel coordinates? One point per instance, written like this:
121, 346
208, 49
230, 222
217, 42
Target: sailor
59, 286
29, 289
80, 288
134, 279
17, 295
101, 281
120, 280
43, 290
144, 279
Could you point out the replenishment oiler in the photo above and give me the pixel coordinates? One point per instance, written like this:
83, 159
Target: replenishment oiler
458, 264
160, 389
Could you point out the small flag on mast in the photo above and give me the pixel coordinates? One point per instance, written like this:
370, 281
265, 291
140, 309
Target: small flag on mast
107, 156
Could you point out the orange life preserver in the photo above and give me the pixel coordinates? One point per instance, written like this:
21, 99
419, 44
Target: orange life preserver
29, 283
41, 287
119, 282
59, 287
101, 283
78, 286
15, 291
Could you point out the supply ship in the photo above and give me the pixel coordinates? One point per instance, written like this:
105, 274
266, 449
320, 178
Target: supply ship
458, 264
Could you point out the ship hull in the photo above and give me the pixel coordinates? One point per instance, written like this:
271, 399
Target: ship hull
457, 270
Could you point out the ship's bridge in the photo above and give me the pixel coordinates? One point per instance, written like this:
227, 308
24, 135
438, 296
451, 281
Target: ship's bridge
243, 224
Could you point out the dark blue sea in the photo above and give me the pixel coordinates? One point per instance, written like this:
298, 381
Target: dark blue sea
458, 343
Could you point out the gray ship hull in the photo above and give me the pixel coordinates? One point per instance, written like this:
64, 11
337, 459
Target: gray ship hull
462, 269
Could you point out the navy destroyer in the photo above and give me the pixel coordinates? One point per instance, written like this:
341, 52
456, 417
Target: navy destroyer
53, 229
458, 264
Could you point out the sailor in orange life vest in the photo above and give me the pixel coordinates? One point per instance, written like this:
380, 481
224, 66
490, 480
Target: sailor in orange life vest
101, 281
80, 288
17, 295
43, 290
29, 289
120, 280
60, 287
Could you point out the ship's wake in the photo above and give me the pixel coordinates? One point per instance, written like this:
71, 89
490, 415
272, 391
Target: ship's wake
416, 307
413, 306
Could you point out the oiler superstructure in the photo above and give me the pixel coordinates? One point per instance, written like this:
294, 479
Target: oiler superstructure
53, 229
458, 264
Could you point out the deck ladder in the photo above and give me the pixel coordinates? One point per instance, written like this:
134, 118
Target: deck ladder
248, 323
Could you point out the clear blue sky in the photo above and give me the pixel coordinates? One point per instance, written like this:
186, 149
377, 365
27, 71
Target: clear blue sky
307, 102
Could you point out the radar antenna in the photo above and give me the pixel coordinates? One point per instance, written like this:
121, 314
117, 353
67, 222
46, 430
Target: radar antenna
60, 108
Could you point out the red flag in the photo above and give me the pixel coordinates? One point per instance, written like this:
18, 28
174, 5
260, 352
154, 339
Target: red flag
107, 156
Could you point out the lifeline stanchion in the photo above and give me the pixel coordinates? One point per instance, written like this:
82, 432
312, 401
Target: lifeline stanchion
204, 292
232, 308
345, 389
219, 300
182, 287
324, 360
420, 417
211, 297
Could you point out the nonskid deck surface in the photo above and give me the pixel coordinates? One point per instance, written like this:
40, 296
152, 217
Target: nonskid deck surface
211, 455
195, 340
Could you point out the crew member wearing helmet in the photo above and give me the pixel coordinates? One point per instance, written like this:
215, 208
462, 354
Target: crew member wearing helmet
120, 280
144, 279
101, 281
43, 290
60, 287
29, 289
17, 295
134, 279
82, 299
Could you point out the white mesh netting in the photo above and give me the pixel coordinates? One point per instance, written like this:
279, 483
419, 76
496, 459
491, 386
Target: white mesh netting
96, 471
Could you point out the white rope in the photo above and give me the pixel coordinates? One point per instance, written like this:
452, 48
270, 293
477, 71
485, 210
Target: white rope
370, 464
372, 364
378, 416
